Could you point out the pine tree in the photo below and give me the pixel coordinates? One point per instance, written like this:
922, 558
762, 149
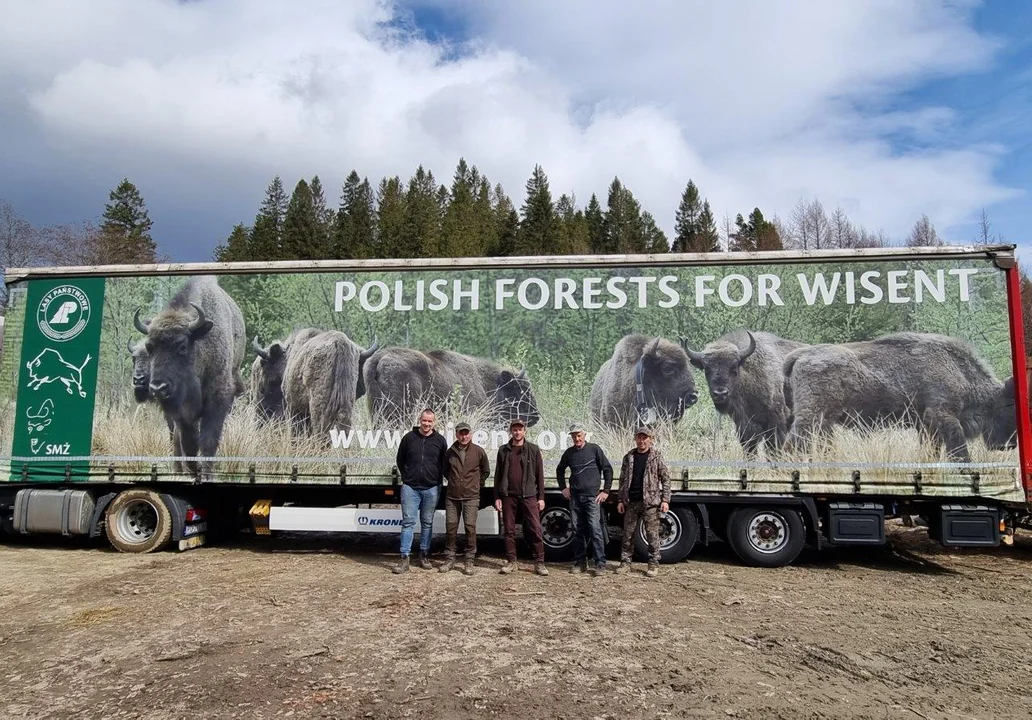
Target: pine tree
422, 233
539, 224
655, 239
235, 248
301, 226
459, 231
688, 221
325, 216
596, 226
390, 219
624, 230
483, 216
574, 235
506, 223
266, 240
126, 226
709, 237
756, 234
354, 226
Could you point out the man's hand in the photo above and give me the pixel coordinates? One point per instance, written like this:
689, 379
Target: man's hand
664, 507
541, 505
620, 508
498, 505
601, 497
566, 493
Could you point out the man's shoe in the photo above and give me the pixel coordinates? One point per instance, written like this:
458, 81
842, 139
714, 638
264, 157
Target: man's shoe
467, 568
598, 570
402, 566
652, 571
424, 561
623, 567
576, 569
507, 567
449, 563
540, 569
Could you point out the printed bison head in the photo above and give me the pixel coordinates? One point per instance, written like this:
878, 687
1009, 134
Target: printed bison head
267, 378
514, 397
722, 362
1001, 429
171, 338
667, 385
141, 369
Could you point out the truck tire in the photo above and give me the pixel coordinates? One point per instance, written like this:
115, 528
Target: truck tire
766, 536
137, 521
557, 532
678, 533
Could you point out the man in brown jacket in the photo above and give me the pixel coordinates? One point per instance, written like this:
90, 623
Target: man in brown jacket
467, 470
644, 493
519, 485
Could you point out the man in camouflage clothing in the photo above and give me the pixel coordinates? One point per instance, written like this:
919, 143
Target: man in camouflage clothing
644, 493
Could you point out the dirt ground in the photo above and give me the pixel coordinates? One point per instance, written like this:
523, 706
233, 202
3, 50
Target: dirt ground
319, 627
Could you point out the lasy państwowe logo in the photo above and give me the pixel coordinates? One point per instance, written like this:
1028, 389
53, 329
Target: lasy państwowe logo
63, 313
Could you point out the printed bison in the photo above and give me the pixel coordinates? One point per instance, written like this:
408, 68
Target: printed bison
646, 380
196, 345
935, 383
322, 379
402, 380
267, 372
745, 378
141, 369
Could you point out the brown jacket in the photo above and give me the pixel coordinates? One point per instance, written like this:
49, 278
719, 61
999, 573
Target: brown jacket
656, 488
533, 472
465, 478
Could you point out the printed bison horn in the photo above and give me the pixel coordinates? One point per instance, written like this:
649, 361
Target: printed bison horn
140, 325
368, 352
743, 355
652, 347
200, 317
692, 355
262, 353
129, 345
522, 373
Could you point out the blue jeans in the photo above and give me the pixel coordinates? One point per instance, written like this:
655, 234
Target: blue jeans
422, 503
587, 529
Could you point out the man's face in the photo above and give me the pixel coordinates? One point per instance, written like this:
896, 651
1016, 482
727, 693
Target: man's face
426, 423
518, 433
643, 441
464, 436
578, 439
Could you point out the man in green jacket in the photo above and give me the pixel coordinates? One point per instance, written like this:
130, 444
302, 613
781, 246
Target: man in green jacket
519, 485
644, 493
467, 470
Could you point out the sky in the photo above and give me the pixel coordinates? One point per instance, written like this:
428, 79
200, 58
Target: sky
889, 109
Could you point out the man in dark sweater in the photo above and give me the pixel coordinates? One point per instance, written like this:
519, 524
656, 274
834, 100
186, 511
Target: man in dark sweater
422, 466
467, 470
519, 485
588, 465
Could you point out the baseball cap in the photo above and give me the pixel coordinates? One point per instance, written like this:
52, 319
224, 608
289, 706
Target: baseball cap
517, 421
576, 428
463, 426
644, 431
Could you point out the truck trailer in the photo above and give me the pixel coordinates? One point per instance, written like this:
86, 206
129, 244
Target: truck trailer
800, 398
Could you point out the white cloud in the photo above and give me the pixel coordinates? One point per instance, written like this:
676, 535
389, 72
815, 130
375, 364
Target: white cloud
760, 103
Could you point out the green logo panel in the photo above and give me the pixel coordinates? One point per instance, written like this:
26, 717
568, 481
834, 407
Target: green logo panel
57, 378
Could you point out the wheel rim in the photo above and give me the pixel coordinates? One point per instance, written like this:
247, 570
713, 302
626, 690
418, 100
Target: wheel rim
768, 532
556, 527
137, 522
670, 529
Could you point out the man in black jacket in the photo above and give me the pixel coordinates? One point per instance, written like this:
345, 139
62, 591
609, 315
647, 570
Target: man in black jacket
422, 465
519, 485
588, 465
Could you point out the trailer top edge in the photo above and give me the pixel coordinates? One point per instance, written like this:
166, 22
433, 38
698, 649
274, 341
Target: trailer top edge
997, 251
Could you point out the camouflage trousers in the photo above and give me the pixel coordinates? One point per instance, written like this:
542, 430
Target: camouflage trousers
634, 511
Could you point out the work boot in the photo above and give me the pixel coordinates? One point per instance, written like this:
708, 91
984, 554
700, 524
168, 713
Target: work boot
540, 568
598, 570
623, 568
402, 566
424, 561
449, 563
652, 571
468, 568
576, 569
507, 567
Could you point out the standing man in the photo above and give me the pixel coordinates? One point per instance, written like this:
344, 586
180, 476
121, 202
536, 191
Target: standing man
588, 466
421, 463
644, 493
467, 470
520, 483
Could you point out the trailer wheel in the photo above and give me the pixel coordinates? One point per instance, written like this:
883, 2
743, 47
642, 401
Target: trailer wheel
766, 537
678, 533
137, 521
557, 532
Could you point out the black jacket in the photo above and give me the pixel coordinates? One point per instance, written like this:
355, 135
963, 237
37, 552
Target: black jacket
533, 472
421, 459
587, 465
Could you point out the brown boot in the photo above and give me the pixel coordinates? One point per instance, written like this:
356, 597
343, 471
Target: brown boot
402, 566
652, 571
424, 561
468, 568
449, 563
507, 567
540, 568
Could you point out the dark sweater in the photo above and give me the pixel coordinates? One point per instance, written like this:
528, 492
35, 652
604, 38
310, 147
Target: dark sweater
587, 466
421, 459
